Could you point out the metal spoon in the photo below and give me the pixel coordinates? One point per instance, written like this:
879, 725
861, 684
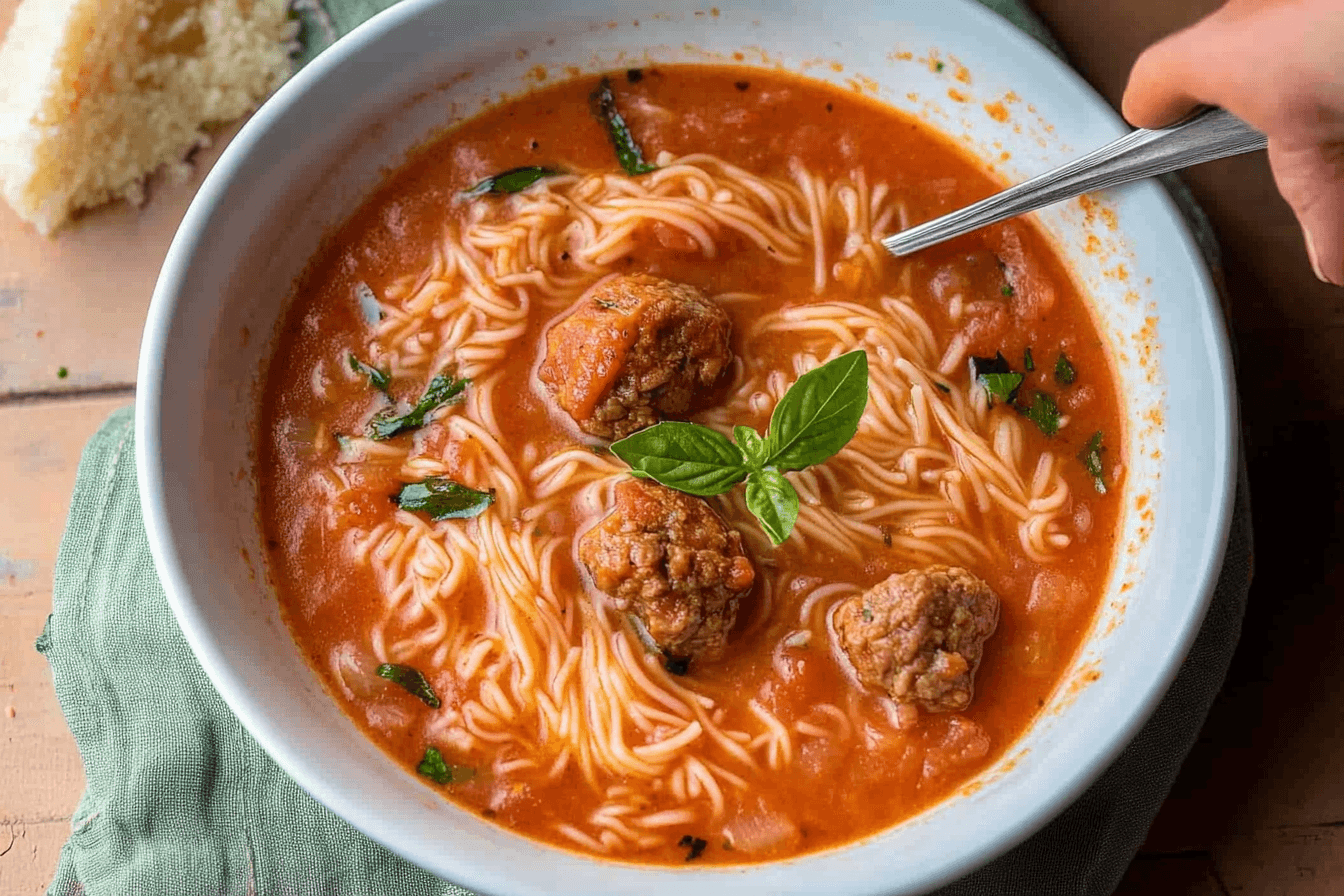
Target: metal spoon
1205, 136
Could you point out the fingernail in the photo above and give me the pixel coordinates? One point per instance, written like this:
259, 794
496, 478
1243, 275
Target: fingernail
1314, 259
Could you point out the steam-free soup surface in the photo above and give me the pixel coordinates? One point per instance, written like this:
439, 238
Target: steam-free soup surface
555, 718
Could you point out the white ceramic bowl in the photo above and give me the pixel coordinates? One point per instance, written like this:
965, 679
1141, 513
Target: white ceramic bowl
317, 148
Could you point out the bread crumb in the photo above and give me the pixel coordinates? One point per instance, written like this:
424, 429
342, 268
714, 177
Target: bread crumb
98, 94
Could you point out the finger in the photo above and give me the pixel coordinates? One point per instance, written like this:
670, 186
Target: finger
1164, 85
1311, 178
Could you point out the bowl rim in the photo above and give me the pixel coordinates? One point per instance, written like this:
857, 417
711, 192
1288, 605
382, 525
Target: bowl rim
166, 550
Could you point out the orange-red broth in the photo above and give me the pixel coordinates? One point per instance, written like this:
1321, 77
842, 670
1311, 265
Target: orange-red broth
759, 121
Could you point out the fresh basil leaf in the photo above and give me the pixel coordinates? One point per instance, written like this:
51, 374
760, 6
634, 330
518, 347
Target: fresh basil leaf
368, 303
515, 180
772, 499
1006, 289
435, 769
1043, 412
685, 456
1065, 373
413, 680
443, 389
819, 414
752, 445
442, 499
603, 104
1002, 386
378, 379
1091, 458
1028, 362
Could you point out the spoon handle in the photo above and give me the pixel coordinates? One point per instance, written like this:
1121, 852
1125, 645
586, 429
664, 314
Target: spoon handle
1205, 136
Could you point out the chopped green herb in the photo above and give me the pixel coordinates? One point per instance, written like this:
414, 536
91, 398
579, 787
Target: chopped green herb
368, 303
411, 679
1043, 412
1065, 373
442, 499
443, 389
996, 376
1091, 458
378, 379
944, 387
938, 66
817, 417
1002, 386
695, 845
1006, 289
1028, 362
435, 769
62, 373
515, 180
603, 104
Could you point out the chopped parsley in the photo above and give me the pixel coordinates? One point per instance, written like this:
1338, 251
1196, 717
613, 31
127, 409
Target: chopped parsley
62, 373
1006, 289
1043, 412
1065, 372
1028, 362
938, 66
694, 846
443, 389
435, 769
1091, 458
413, 680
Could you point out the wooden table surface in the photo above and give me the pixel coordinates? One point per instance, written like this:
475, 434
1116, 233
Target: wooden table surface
1259, 806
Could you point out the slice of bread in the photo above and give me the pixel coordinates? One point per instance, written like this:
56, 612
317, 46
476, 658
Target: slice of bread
97, 94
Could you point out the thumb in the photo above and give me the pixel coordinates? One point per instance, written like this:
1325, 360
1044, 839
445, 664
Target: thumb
1311, 177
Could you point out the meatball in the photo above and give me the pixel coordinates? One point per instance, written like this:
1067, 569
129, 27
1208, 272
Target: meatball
672, 561
919, 635
634, 350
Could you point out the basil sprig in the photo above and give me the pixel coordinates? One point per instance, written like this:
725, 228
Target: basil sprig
440, 498
437, 770
515, 180
603, 104
413, 680
816, 418
443, 389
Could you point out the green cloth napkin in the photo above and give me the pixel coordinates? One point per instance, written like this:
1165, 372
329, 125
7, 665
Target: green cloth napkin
180, 800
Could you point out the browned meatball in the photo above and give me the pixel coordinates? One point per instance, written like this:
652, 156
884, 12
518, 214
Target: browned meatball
634, 350
672, 561
919, 635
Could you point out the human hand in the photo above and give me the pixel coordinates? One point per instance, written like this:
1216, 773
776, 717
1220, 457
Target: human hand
1279, 65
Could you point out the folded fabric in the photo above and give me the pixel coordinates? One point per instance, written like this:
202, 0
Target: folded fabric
181, 800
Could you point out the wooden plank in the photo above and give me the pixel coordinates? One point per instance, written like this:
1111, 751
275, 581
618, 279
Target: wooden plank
28, 854
40, 771
1178, 875
1293, 861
